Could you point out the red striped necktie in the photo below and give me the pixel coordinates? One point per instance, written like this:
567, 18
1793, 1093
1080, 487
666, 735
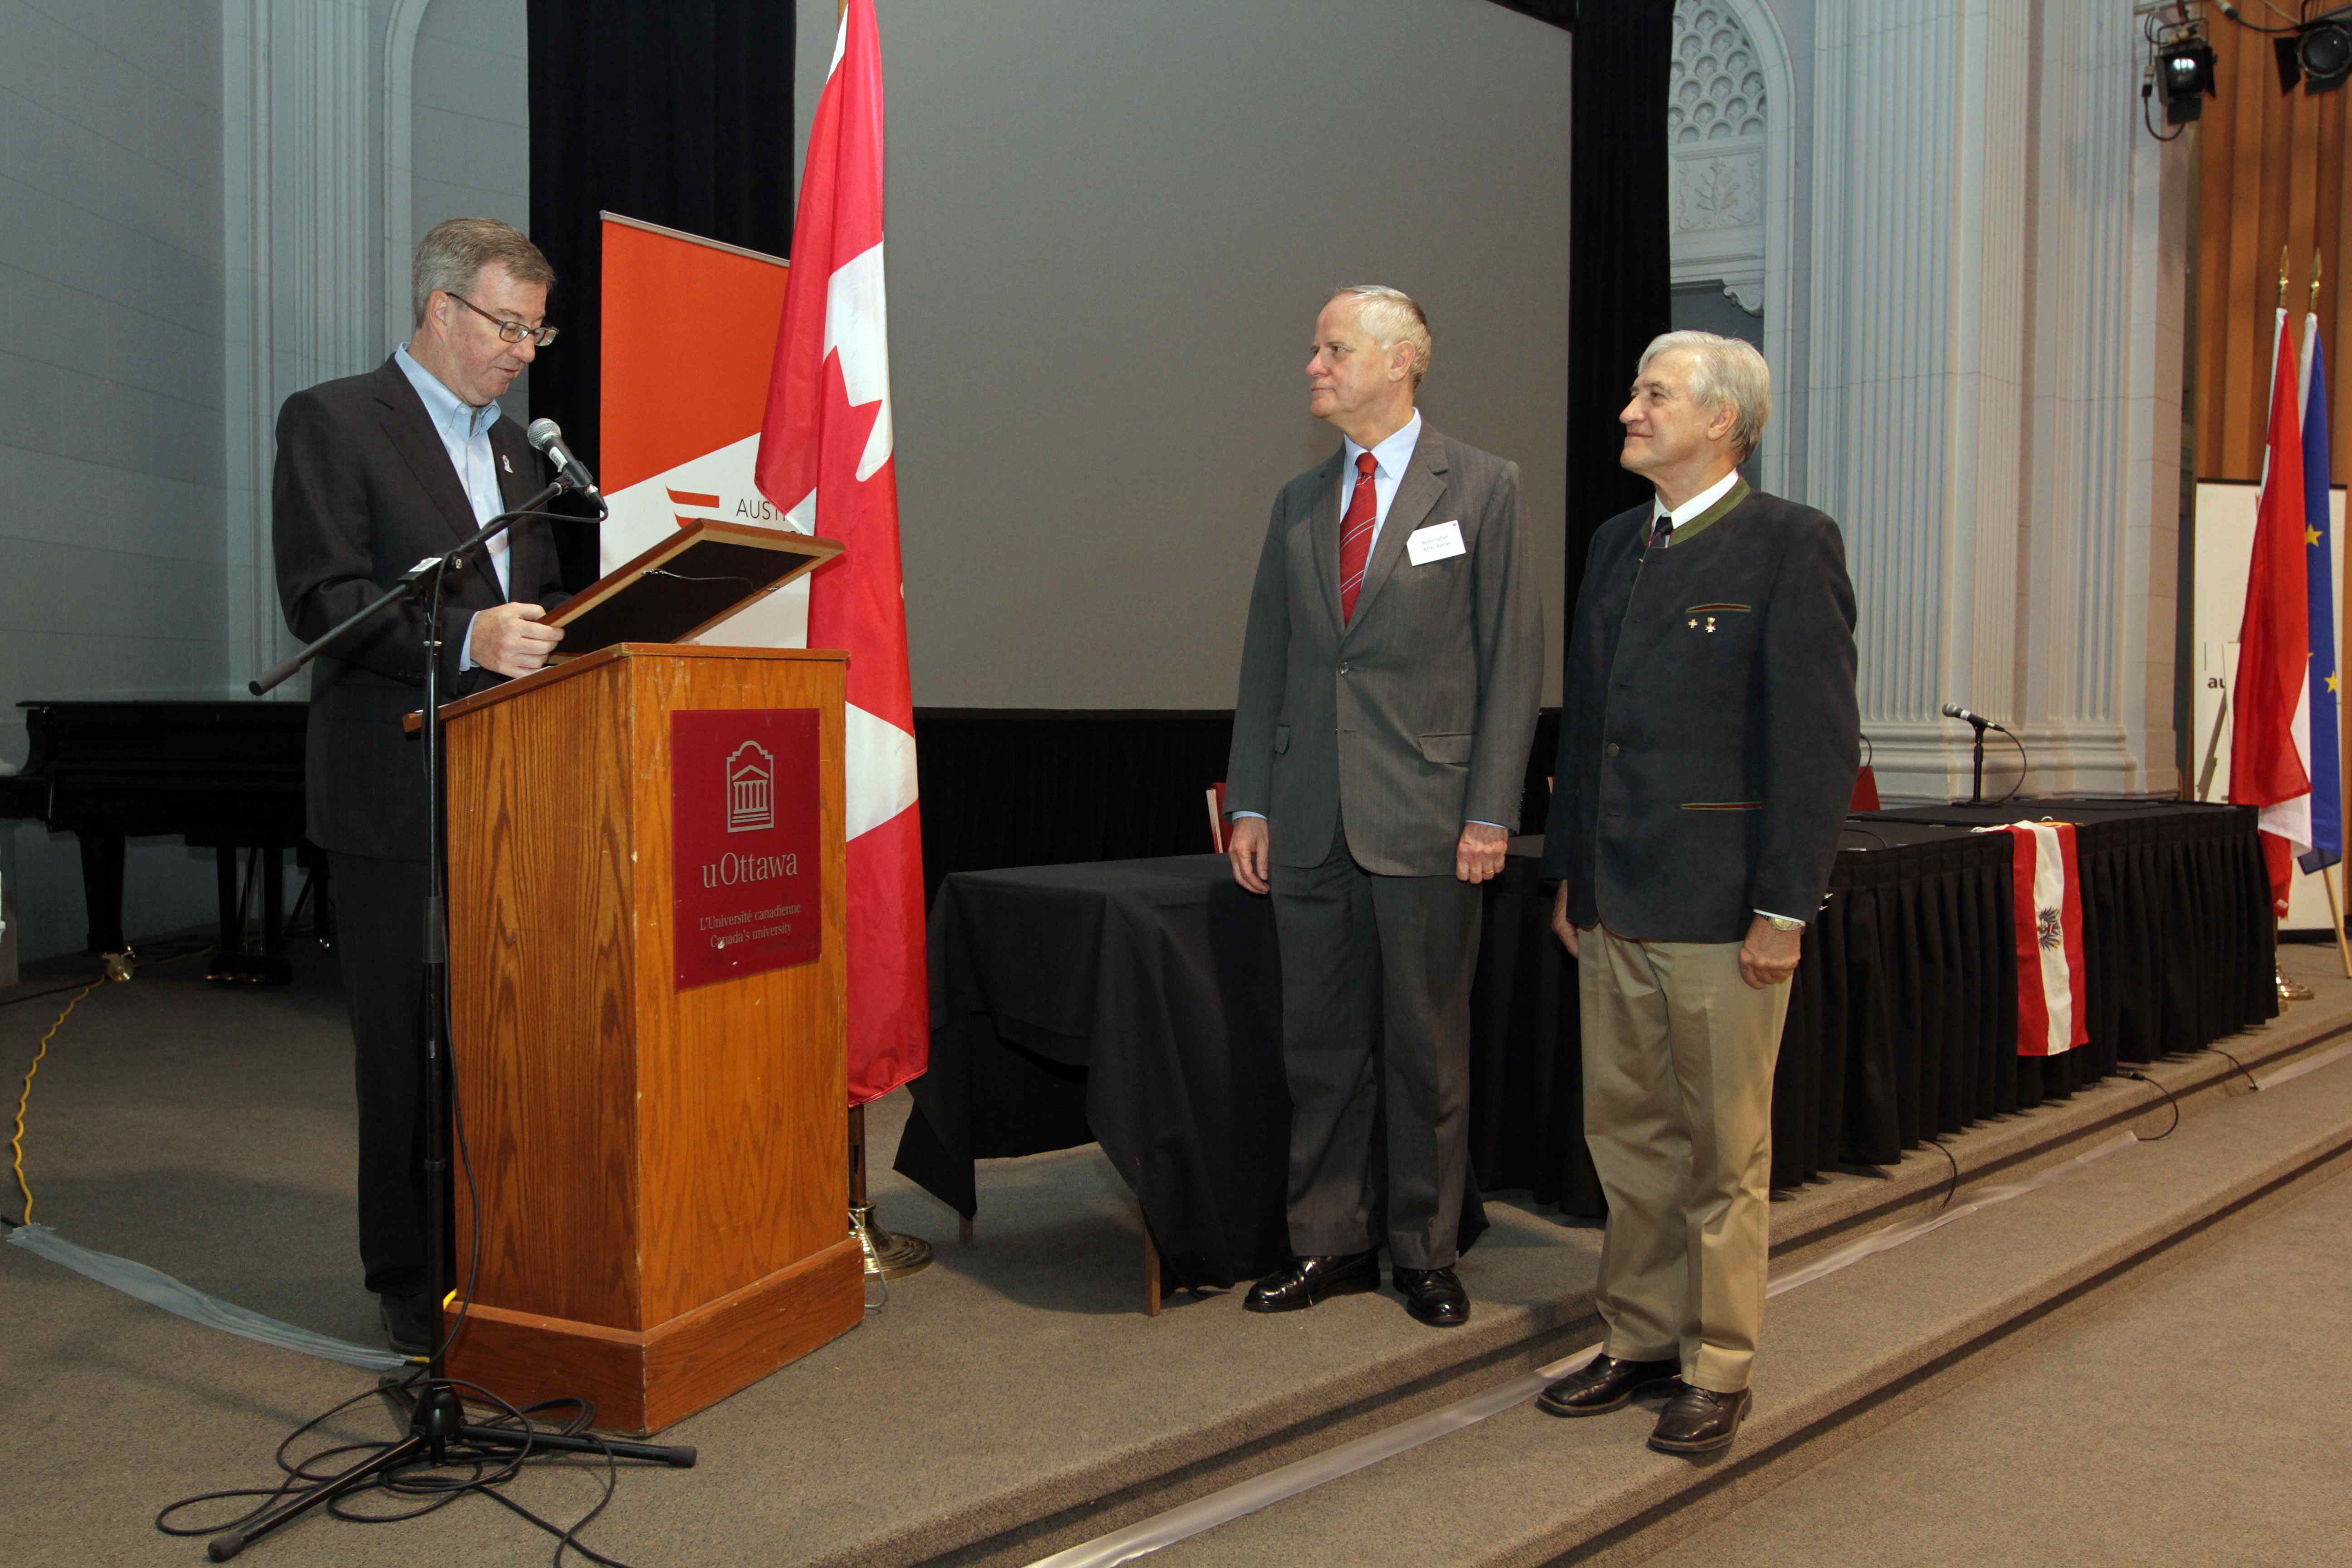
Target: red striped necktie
1356, 537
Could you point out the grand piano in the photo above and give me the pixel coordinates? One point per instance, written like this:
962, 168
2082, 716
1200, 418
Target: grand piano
223, 774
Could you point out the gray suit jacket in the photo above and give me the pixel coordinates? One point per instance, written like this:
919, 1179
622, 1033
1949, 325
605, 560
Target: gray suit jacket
1415, 717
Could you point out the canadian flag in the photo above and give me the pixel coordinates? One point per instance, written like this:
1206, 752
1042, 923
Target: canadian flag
825, 459
2048, 916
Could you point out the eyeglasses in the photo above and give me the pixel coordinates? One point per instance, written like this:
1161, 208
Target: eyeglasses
512, 331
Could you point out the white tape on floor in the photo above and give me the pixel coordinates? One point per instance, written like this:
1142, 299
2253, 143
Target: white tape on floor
2327, 1058
1258, 1492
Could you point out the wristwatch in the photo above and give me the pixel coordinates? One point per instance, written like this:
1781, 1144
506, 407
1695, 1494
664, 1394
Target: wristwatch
1782, 922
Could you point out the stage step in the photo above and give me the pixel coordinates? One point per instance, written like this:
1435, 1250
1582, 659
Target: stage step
1844, 1355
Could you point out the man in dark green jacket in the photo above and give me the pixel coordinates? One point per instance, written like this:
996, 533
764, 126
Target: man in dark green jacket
1708, 743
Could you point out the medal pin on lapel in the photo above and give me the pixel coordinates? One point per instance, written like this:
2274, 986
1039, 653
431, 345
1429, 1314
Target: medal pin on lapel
506, 462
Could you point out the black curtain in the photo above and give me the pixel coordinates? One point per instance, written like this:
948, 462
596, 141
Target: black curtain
1619, 293
675, 111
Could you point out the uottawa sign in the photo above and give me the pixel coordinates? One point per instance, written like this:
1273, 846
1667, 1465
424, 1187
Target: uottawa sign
743, 826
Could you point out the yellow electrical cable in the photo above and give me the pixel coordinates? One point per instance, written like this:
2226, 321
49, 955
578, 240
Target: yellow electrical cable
17, 1143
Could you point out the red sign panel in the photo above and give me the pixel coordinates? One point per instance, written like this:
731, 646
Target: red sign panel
744, 835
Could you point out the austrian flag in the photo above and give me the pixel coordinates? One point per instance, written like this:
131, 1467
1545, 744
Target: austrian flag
2048, 910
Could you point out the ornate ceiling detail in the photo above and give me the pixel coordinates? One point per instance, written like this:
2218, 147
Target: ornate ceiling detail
1715, 89
1715, 136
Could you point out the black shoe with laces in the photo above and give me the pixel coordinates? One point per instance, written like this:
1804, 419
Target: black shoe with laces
411, 1319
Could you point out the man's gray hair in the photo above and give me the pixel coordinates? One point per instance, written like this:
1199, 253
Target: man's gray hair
453, 255
1724, 370
1393, 317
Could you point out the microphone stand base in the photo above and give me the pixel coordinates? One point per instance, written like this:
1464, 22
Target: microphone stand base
888, 1255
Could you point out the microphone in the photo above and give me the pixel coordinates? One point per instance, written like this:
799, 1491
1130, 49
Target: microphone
1954, 710
546, 438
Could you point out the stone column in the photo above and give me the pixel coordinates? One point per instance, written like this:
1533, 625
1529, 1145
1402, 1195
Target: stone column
1985, 289
2098, 559
299, 190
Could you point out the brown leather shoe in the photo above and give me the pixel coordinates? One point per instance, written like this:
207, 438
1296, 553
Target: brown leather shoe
1308, 1280
1700, 1421
1605, 1383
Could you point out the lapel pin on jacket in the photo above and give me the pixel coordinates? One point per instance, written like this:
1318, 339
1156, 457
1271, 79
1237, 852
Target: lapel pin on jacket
506, 462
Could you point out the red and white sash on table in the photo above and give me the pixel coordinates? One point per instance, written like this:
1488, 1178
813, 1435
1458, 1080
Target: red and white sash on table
2046, 893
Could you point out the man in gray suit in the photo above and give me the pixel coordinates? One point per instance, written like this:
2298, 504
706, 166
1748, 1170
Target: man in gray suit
1390, 681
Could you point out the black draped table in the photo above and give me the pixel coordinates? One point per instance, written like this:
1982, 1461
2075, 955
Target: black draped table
1137, 1004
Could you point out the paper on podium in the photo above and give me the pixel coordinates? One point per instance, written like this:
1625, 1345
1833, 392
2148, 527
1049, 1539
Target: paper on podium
687, 582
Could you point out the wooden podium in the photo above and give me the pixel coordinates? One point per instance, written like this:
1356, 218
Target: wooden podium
659, 1159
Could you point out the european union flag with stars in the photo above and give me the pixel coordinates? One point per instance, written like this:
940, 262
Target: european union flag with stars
2326, 753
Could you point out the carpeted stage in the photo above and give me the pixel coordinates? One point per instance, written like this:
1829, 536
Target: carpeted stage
1013, 1400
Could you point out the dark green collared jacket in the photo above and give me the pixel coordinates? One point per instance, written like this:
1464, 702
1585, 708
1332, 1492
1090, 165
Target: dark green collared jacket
1708, 734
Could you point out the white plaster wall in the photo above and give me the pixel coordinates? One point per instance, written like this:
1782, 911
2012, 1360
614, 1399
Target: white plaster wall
112, 430
470, 119
470, 127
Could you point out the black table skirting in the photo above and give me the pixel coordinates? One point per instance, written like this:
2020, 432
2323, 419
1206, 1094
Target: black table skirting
1137, 1004
1051, 788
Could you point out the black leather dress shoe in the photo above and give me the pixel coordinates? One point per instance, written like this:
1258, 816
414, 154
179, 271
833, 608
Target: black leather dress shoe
411, 1319
1606, 1383
1433, 1296
1700, 1421
1308, 1280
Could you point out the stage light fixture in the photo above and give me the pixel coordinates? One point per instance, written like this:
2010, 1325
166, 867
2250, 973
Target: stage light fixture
2317, 51
2184, 76
2323, 50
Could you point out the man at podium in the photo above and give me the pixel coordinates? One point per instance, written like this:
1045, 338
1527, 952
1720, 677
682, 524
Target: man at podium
376, 472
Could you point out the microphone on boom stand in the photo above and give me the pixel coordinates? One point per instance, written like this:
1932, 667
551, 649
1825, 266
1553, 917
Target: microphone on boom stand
1954, 710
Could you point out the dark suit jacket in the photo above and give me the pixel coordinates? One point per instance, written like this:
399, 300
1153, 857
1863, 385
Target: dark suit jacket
1416, 716
1708, 734
364, 491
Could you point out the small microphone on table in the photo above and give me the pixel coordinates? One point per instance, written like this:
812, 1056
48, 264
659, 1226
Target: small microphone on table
1954, 710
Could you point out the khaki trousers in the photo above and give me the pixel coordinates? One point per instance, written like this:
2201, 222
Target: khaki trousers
1679, 1054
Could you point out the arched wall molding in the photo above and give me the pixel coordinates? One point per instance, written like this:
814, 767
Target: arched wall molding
399, 160
1780, 207
1778, 161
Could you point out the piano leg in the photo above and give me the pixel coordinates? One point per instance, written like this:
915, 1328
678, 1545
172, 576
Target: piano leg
232, 928
101, 888
273, 899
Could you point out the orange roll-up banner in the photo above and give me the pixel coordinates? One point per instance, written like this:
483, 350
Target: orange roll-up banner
689, 342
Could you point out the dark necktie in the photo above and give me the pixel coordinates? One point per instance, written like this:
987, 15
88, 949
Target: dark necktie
1356, 537
1663, 530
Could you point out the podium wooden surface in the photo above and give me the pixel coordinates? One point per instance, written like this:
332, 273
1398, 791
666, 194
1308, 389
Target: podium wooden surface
662, 1176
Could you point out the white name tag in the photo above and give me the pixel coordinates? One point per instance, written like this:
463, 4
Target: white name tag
1424, 545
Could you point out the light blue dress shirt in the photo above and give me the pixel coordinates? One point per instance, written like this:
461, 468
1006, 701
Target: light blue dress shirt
465, 433
1389, 459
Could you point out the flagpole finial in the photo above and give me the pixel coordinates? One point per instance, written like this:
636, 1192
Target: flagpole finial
2283, 271
2313, 306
